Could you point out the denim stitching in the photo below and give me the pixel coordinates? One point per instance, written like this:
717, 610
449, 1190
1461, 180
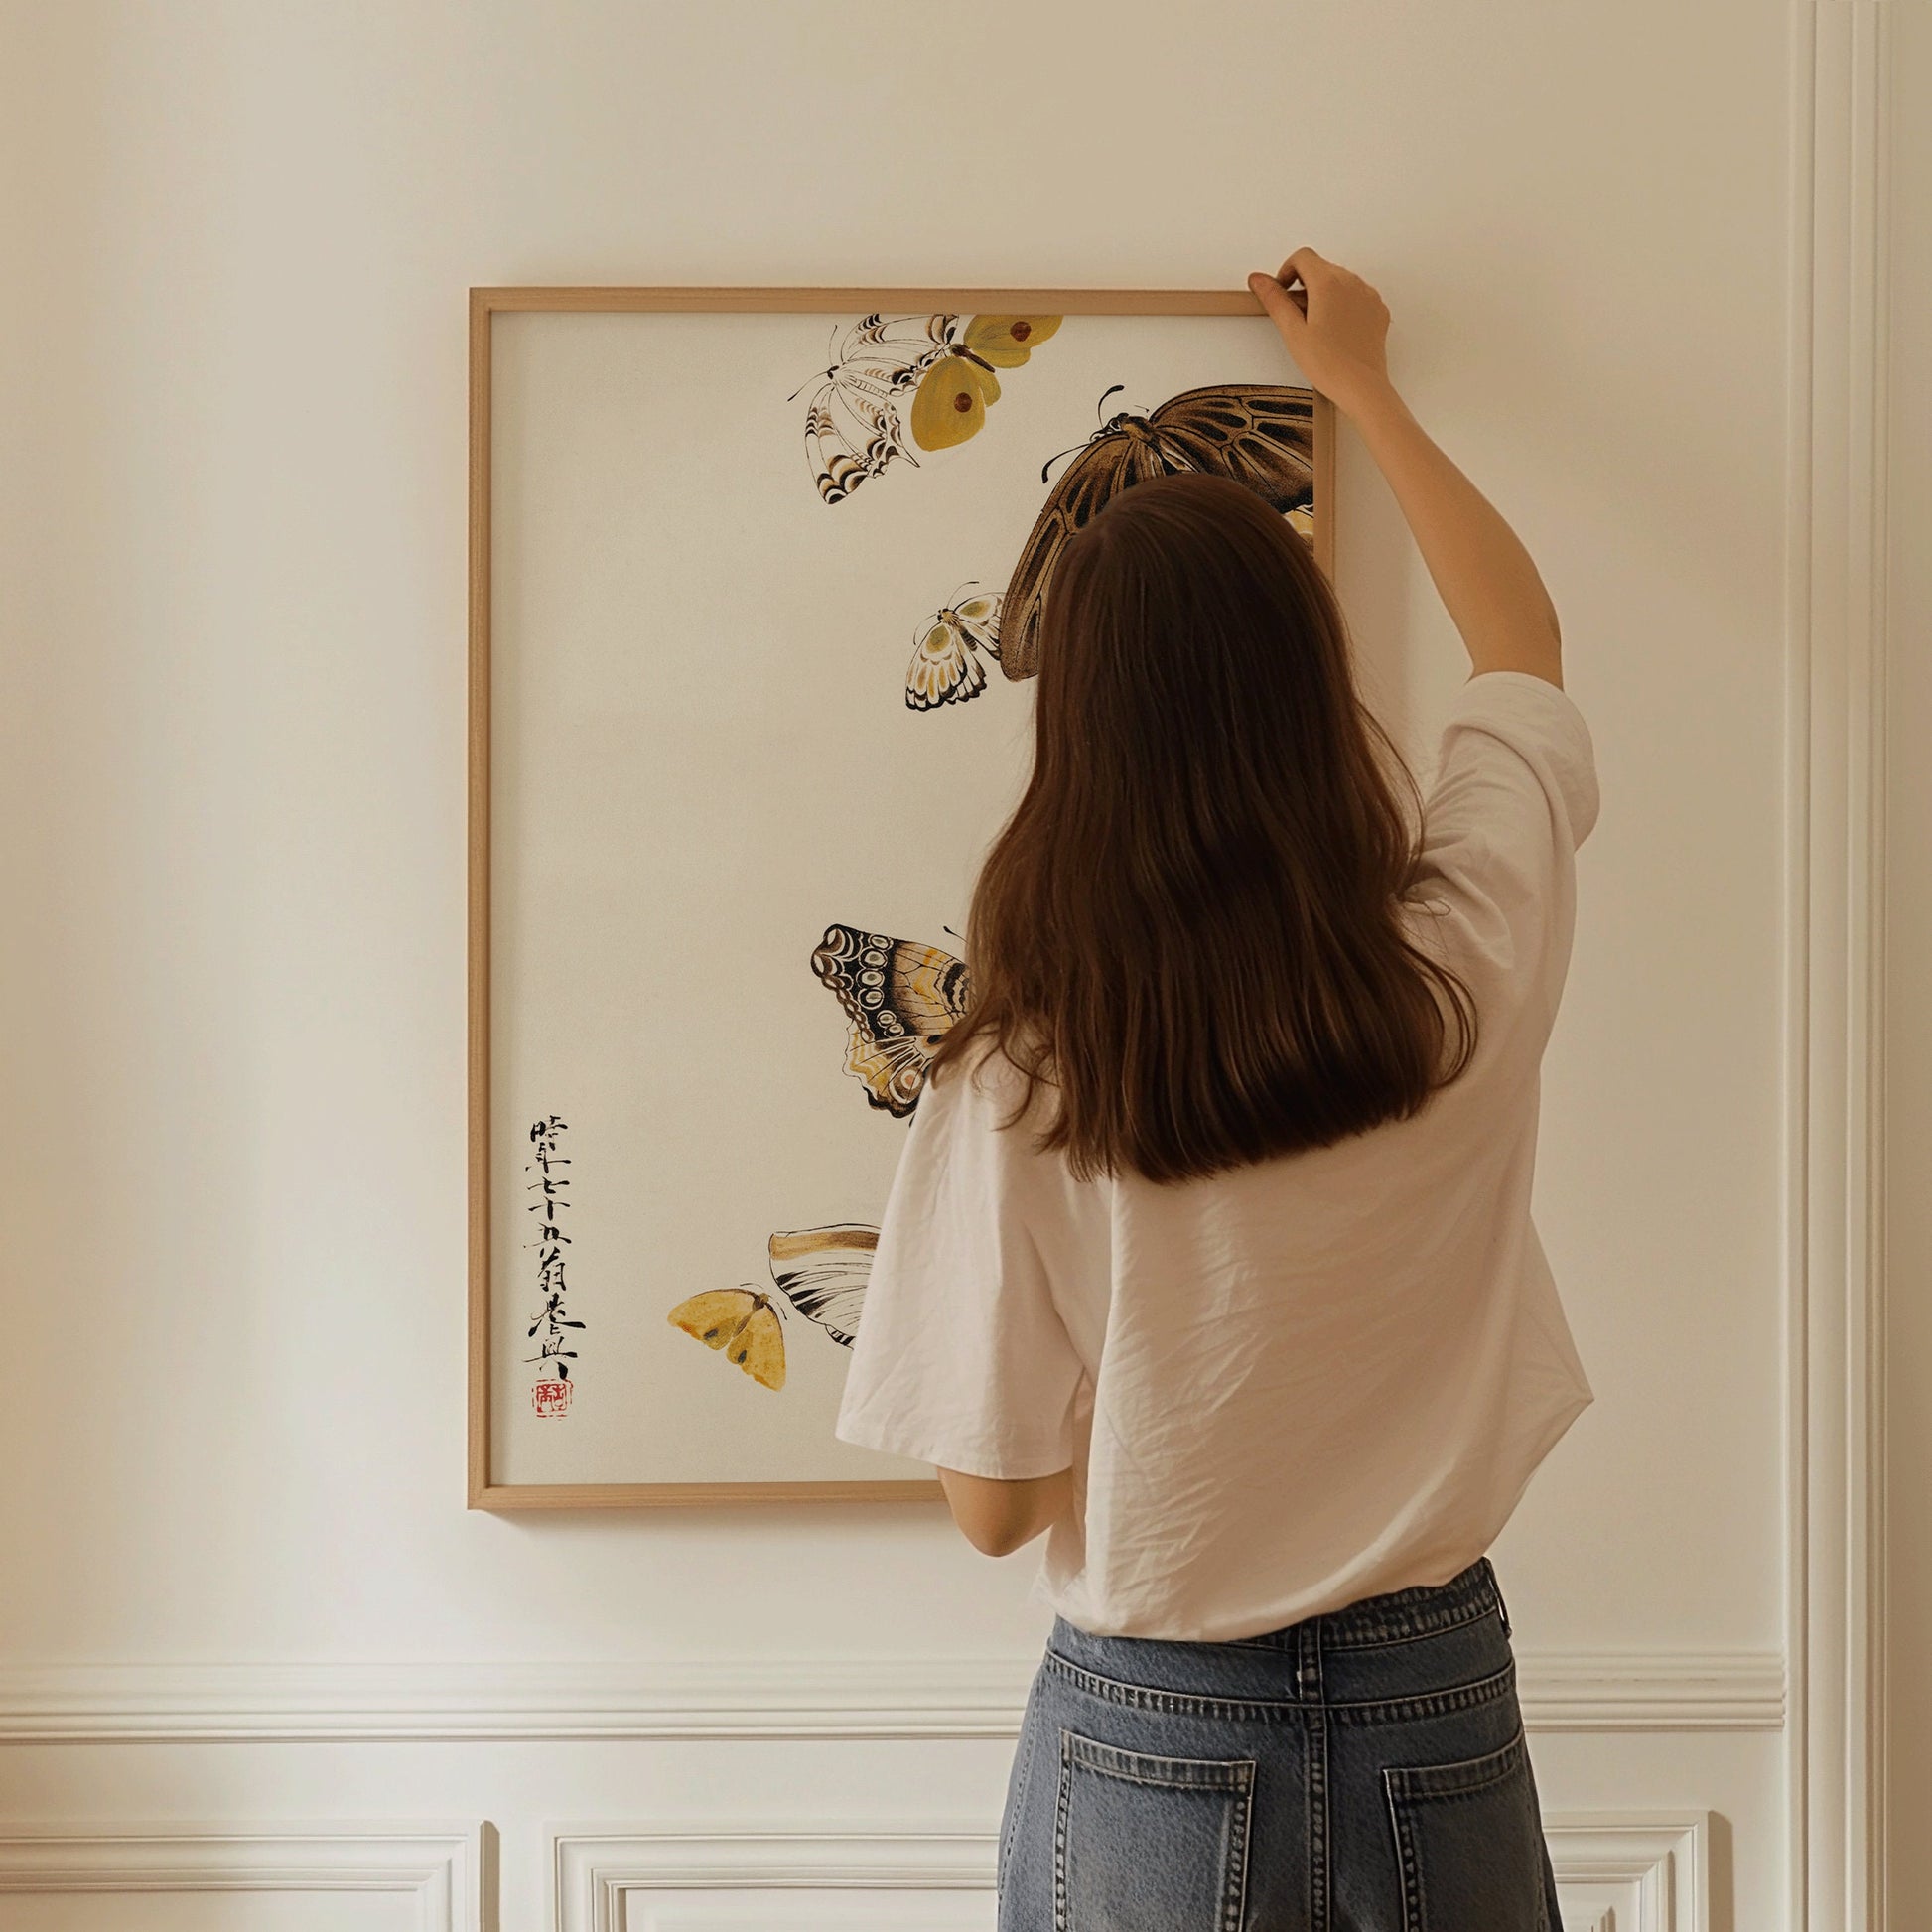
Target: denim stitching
1408, 1636
1112, 1760
1319, 1817
1404, 1784
1309, 1681
1239, 1782
1427, 1704
1234, 1889
1430, 1704
1183, 1703
1406, 1863
1437, 1782
1059, 1833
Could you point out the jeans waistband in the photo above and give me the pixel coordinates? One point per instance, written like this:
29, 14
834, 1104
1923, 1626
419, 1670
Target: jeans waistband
1400, 1613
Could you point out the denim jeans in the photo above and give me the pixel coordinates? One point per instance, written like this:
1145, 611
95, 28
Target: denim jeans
1361, 1771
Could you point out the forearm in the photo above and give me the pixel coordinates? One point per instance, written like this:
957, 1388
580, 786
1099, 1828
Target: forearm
997, 1516
1336, 327
1485, 578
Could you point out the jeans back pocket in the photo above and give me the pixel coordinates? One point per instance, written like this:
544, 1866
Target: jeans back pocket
1146, 1844
1469, 1843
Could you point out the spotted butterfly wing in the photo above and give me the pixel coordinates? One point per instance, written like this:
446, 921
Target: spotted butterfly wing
852, 424
901, 1000
955, 393
946, 665
823, 1272
1260, 434
744, 1323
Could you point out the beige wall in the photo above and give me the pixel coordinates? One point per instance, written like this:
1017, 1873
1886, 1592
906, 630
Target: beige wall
232, 373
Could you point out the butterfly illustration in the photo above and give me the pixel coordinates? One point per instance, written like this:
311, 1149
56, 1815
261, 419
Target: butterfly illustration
945, 661
744, 1322
1260, 434
823, 1272
902, 999
953, 395
852, 424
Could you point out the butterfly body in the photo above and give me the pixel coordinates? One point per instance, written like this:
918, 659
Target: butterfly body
1260, 434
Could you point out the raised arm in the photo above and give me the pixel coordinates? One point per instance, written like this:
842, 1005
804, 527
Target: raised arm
1336, 327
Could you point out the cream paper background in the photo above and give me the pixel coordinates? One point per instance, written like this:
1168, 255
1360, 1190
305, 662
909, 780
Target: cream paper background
702, 757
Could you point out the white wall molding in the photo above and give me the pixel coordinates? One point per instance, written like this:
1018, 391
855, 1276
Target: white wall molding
1618, 1871
440, 1867
1835, 1006
1644, 1869
596, 1868
909, 1698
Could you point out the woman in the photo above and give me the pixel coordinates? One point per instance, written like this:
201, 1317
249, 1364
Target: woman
1209, 1251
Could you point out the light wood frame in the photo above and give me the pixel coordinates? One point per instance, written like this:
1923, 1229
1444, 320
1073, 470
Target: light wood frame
485, 304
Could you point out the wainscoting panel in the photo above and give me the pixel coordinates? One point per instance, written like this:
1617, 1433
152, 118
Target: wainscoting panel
432, 1877
1616, 1871
610, 1879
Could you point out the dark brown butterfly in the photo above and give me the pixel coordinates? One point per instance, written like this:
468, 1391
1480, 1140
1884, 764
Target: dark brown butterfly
901, 998
1260, 434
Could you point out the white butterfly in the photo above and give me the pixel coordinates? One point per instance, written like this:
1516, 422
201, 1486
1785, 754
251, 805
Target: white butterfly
823, 1273
945, 660
852, 427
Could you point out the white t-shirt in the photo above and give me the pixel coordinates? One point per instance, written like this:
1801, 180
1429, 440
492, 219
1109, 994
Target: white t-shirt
1297, 1383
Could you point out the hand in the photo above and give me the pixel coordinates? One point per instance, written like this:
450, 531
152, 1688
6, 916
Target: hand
1335, 326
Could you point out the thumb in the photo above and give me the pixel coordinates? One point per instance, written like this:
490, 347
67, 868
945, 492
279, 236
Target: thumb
1282, 306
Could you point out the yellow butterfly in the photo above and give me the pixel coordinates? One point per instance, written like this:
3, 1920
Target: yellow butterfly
743, 1322
951, 401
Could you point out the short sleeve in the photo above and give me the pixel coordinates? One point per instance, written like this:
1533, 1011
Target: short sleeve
961, 1359
1553, 769
1515, 794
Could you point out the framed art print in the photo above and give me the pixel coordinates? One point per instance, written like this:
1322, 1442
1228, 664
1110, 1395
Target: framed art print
755, 585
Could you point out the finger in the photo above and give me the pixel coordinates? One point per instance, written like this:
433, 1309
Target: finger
1282, 307
1265, 286
1305, 266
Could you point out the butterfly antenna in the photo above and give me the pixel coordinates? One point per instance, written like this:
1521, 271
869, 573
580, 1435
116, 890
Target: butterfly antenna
1052, 460
1097, 408
831, 349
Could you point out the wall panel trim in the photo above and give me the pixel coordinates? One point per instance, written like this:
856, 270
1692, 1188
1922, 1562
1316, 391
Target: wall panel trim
440, 1867
1619, 1870
1834, 1285
682, 1698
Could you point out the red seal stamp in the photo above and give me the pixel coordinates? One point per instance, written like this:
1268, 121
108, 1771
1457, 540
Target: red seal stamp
552, 1398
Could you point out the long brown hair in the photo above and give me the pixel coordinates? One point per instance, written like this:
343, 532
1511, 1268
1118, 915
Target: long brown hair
1189, 927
